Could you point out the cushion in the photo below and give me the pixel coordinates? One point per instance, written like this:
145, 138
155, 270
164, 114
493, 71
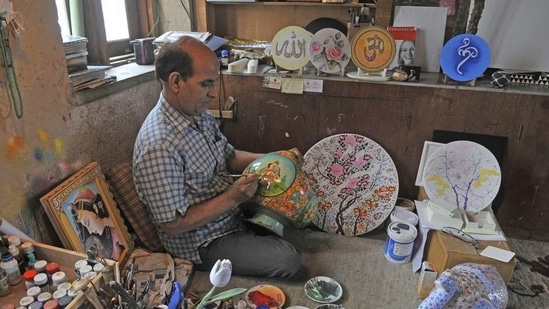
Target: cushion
120, 179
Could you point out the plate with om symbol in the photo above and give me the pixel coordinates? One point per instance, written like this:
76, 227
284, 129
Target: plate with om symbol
356, 183
373, 49
289, 47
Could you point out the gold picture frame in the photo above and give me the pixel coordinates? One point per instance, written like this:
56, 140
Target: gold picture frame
85, 215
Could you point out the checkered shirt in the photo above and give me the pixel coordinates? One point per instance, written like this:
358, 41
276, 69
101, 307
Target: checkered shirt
177, 165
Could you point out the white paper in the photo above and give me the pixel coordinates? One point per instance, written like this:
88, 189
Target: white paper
431, 24
7, 228
498, 254
515, 32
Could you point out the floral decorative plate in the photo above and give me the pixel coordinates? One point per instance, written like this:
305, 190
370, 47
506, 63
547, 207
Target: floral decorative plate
465, 57
265, 294
463, 173
323, 290
356, 183
329, 51
289, 47
373, 49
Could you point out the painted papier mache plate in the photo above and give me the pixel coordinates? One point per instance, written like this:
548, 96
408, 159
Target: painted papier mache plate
356, 182
289, 47
373, 49
462, 173
330, 51
465, 57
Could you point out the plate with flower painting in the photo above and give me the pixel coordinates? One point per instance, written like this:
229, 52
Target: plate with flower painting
289, 47
330, 51
356, 183
462, 173
265, 294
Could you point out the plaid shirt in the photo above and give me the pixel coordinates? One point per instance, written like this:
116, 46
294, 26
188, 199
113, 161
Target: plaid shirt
177, 165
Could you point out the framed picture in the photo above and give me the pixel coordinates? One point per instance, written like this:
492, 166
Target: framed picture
84, 215
428, 149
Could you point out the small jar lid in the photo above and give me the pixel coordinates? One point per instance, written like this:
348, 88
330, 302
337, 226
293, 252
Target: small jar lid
64, 286
44, 297
36, 305
26, 301
90, 275
58, 277
29, 274
27, 247
59, 294
34, 291
78, 264
98, 267
85, 269
40, 278
52, 267
51, 304
14, 240
64, 301
40, 265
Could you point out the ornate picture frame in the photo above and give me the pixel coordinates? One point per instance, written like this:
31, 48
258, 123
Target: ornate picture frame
85, 216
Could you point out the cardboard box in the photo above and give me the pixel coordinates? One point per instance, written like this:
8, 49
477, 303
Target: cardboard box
66, 259
445, 251
426, 281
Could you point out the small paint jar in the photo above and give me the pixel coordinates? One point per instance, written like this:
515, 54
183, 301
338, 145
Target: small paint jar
28, 276
57, 279
51, 304
41, 281
5, 287
40, 266
64, 286
44, 297
64, 302
57, 295
26, 301
36, 305
34, 292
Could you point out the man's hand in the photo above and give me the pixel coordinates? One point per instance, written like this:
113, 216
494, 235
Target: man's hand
243, 188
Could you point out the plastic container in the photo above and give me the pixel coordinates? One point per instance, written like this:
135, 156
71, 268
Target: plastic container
406, 204
401, 215
9, 264
40, 266
41, 281
224, 58
400, 242
5, 287
29, 278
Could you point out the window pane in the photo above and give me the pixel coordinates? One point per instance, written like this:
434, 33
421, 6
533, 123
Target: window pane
63, 17
116, 21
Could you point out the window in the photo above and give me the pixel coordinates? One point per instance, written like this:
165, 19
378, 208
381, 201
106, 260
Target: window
109, 26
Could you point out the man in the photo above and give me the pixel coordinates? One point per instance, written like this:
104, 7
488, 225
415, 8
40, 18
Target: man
180, 164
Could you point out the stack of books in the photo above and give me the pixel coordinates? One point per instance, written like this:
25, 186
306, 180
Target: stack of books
76, 52
82, 75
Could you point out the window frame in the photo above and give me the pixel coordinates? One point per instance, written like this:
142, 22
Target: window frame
100, 51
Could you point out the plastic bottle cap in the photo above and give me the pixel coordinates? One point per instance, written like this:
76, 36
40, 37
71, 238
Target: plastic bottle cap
64, 286
58, 277
44, 297
14, 240
224, 53
34, 291
40, 279
59, 294
40, 266
26, 301
51, 304
51, 267
27, 247
29, 274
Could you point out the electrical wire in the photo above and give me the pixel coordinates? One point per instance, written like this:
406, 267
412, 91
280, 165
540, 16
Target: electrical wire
193, 26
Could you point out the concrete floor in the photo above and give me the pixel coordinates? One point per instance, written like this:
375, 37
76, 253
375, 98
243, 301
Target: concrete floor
368, 279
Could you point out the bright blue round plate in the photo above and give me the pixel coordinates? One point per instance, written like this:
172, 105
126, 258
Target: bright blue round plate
465, 57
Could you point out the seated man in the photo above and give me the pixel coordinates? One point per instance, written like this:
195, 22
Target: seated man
180, 165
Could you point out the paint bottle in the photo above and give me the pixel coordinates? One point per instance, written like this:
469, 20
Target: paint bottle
224, 58
5, 287
9, 264
19, 257
29, 278
28, 250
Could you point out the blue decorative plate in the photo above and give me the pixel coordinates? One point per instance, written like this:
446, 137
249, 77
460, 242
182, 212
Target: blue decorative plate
465, 57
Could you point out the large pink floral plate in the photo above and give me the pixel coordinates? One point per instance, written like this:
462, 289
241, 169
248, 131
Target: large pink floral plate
462, 173
356, 183
330, 51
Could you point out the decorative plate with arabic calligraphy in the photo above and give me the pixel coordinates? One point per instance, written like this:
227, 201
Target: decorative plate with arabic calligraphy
373, 49
356, 183
462, 173
465, 57
330, 51
289, 47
